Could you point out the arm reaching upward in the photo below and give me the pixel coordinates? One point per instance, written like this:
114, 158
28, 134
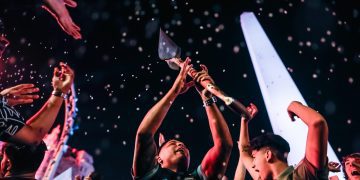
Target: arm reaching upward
317, 137
145, 146
40, 124
215, 162
244, 143
240, 172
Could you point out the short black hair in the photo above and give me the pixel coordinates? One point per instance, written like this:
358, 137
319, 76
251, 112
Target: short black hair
163, 144
25, 158
278, 144
344, 159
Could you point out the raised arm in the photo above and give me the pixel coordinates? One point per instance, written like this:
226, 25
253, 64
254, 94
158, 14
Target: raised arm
216, 159
145, 147
40, 124
244, 143
240, 172
317, 137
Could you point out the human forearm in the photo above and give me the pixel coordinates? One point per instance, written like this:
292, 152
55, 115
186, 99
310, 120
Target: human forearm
244, 142
154, 117
308, 115
43, 120
244, 148
57, 7
218, 127
240, 171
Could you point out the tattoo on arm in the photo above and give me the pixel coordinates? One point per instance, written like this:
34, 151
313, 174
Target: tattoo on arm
245, 148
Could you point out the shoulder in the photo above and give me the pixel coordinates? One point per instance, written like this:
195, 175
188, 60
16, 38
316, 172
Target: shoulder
149, 174
198, 173
308, 171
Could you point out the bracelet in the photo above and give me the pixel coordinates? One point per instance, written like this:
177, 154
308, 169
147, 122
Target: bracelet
58, 93
210, 101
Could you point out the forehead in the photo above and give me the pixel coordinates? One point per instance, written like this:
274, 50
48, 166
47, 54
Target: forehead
171, 142
352, 159
254, 152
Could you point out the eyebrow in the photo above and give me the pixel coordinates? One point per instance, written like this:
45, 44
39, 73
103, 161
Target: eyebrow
171, 142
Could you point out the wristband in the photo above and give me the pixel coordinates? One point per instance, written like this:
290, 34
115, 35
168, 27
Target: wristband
58, 93
210, 101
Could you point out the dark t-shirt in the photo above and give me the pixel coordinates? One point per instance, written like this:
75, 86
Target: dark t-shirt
304, 170
159, 173
10, 121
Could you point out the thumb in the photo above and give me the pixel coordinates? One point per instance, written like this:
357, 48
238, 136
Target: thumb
70, 3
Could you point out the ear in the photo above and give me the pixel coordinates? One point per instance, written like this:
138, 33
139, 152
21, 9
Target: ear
159, 160
161, 139
269, 155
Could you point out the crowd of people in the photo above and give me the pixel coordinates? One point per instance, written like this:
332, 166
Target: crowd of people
264, 157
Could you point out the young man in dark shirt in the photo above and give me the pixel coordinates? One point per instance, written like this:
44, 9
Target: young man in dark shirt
172, 160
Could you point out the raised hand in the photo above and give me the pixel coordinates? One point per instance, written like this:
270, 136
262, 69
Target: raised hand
203, 75
334, 166
180, 85
63, 78
20, 94
57, 8
292, 115
253, 110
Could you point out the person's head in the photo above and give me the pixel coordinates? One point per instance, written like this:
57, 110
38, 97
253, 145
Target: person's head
174, 154
351, 172
23, 158
268, 150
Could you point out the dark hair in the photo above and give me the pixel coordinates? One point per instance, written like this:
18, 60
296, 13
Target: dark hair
95, 176
25, 158
163, 144
279, 146
353, 155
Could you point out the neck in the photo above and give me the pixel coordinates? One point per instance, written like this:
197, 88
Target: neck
278, 168
175, 168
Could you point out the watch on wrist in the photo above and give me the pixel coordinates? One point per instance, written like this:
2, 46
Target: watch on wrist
59, 93
210, 101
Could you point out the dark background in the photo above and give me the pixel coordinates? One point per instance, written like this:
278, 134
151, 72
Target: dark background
119, 76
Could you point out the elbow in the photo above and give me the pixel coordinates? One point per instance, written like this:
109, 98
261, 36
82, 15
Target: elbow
226, 146
143, 136
36, 137
35, 140
319, 123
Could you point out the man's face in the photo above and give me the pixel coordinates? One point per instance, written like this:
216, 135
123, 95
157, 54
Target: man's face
260, 164
352, 171
175, 153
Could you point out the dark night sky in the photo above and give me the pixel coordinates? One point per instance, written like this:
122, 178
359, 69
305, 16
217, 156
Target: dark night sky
119, 76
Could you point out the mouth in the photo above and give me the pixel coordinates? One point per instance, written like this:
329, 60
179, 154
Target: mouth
355, 173
181, 150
